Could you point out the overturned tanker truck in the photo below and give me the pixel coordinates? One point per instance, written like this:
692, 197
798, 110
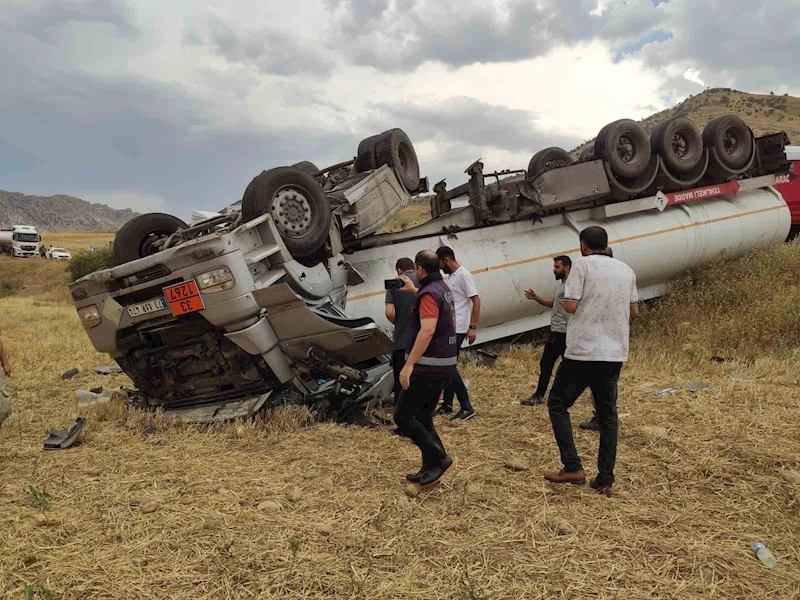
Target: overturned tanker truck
278, 299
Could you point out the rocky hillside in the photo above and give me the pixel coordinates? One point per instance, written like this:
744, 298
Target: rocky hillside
763, 113
59, 213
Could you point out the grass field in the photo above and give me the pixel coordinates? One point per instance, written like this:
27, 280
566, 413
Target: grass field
77, 241
700, 477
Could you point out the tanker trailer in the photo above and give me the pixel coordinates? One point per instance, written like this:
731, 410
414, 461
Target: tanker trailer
245, 310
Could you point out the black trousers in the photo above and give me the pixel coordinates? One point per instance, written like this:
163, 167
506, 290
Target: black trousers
572, 378
398, 362
414, 416
554, 348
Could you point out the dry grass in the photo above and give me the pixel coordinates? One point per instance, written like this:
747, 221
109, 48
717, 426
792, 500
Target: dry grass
78, 241
695, 499
416, 213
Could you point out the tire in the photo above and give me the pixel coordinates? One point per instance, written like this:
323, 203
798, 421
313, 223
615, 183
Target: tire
679, 144
626, 147
587, 154
547, 160
136, 238
297, 204
365, 158
732, 138
395, 149
306, 167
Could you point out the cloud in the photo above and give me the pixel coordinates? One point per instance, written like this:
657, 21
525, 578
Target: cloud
46, 19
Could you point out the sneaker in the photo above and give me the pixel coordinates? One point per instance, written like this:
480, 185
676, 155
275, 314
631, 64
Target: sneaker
591, 424
443, 411
532, 401
463, 415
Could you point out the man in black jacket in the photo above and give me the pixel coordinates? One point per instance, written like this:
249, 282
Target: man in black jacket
431, 358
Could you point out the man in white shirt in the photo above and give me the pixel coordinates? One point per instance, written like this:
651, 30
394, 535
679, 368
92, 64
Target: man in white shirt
468, 310
601, 295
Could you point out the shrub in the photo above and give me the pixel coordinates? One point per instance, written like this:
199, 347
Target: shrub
88, 262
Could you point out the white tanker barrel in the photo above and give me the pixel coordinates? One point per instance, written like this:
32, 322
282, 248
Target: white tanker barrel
6, 237
510, 258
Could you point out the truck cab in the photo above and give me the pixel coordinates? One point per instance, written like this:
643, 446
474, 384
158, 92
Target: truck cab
21, 241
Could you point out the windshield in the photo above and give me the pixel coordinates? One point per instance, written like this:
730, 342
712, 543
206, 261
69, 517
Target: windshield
27, 237
58, 250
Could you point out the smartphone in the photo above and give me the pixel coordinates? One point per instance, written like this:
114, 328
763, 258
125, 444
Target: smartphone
393, 284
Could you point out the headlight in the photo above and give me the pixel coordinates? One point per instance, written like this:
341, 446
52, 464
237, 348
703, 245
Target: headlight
90, 316
216, 280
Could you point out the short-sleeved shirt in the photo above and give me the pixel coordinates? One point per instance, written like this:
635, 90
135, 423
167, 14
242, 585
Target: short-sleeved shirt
463, 287
558, 316
403, 305
600, 329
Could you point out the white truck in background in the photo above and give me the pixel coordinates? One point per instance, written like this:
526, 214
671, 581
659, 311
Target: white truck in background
21, 241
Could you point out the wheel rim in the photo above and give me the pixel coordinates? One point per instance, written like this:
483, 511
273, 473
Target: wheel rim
150, 244
680, 146
625, 149
291, 211
555, 163
404, 154
731, 143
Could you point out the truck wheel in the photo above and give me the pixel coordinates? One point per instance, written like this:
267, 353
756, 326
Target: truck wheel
136, 238
365, 158
625, 146
679, 143
587, 154
297, 204
306, 166
732, 139
547, 160
394, 149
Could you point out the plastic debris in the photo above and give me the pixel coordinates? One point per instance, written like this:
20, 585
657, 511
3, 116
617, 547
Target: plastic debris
69, 374
663, 392
99, 395
764, 555
696, 385
515, 464
59, 439
106, 370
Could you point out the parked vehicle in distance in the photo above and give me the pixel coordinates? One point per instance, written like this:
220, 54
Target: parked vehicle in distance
58, 254
21, 241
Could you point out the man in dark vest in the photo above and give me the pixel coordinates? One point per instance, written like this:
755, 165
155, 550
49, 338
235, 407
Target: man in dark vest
431, 357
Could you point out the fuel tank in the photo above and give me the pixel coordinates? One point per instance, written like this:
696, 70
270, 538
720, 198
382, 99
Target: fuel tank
507, 259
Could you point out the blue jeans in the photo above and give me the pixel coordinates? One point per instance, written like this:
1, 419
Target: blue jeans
457, 387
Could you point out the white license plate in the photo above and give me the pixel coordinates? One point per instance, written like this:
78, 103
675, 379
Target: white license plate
137, 310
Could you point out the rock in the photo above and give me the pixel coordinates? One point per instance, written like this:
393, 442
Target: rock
515, 464
325, 529
139, 562
94, 472
411, 490
295, 494
327, 481
150, 507
223, 491
472, 489
42, 521
139, 500
268, 505
69, 374
564, 528
707, 574
696, 385
655, 430
240, 431
792, 477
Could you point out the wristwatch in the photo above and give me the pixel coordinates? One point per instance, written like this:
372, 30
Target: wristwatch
473, 327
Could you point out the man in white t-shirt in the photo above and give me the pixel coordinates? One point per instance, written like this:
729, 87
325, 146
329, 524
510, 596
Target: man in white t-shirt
602, 298
468, 310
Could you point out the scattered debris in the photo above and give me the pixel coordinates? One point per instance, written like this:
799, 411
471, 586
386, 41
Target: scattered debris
764, 555
100, 395
60, 439
792, 477
108, 370
150, 430
411, 490
69, 374
707, 574
515, 465
139, 501
268, 505
486, 357
564, 528
655, 430
696, 385
150, 507
663, 392
295, 494
740, 380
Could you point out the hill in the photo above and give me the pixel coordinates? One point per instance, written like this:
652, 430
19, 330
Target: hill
764, 113
59, 213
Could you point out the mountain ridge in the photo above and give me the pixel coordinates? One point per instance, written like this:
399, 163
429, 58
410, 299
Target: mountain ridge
60, 213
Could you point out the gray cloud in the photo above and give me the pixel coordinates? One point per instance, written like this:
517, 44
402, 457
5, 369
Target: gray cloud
270, 49
44, 19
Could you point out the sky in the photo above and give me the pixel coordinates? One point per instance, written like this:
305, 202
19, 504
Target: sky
175, 106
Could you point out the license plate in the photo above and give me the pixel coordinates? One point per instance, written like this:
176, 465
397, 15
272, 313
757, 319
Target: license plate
145, 308
184, 298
